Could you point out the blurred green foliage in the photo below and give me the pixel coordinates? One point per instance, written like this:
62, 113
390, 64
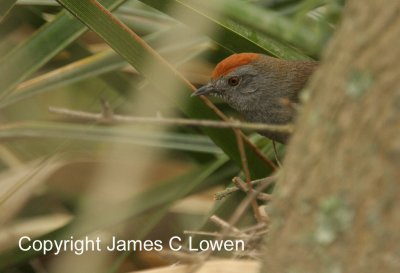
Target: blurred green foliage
51, 164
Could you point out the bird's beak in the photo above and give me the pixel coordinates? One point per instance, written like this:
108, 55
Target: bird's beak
204, 90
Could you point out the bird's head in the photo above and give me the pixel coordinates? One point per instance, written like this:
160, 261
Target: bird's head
236, 80
260, 87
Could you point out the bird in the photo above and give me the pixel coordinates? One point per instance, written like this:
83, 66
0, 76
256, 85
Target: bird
261, 88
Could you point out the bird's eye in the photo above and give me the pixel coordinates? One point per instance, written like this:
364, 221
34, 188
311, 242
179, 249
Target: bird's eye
233, 81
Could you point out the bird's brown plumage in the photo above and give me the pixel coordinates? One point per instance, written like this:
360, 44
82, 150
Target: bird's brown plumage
266, 87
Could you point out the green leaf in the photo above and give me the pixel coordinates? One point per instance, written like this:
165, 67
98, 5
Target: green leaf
49, 40
128, 135
94, 65
272, 23
38, 2
227, 32
104, 62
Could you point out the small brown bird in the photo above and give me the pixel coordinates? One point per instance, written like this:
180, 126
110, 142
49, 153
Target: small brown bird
260, 87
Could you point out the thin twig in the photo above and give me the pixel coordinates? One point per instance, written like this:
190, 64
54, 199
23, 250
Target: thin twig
223, 224
240, 184
216, 234
243, 186
99, 117
264, 197
240, 210
222, 194
204, 233
246, 171
255, 228
236, 216
276, 154
105, 118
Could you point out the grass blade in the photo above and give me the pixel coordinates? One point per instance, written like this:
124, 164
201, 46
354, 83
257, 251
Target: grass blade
101, 63
225, 30
5, 7
49, 40
127, 135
